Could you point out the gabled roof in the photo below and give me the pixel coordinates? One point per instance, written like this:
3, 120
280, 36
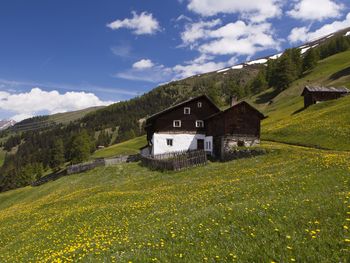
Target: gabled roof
262, 116
181, 104
325, 89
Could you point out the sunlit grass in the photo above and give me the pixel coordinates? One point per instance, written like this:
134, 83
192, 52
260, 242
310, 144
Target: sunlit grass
129, 147
288, 205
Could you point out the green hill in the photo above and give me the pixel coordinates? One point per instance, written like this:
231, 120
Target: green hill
324, 125
289, 205
125, 148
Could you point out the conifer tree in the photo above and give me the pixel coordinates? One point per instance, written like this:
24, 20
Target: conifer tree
310, 59
57, 154
80, 147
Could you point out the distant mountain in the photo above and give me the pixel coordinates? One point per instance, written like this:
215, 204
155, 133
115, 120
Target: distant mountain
4, 124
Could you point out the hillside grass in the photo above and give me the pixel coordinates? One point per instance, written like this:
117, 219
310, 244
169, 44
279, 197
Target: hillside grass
125, 148
68, 117
324, 125
289, 205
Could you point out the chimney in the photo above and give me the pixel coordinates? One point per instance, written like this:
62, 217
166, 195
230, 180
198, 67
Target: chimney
233, 100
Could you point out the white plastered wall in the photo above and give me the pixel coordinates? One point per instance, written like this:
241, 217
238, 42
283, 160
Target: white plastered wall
181, 142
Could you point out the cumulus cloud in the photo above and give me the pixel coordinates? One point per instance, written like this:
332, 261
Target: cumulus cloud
28, 104
143, 24
256, 11
315, 10
198, 30
303, 34
143, 64
239, 38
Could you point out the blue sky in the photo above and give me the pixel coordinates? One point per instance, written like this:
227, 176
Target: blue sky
65, 55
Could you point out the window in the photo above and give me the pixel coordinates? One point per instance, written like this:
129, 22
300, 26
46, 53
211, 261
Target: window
199, 104
177, 124
187, 110
169, 142
208, 146
199, 124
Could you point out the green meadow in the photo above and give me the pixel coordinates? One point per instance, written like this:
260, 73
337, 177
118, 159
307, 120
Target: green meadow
291, 205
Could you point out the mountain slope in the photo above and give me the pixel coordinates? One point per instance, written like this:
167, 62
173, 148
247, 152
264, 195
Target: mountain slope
4, 124
324, 125
240, 210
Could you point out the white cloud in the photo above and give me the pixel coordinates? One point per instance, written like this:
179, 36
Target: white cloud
256, 11
191, 69
143, 64
198, 30
237, 38
315, 10
303, 34
31, 103
160, 73
143, 24
154, 74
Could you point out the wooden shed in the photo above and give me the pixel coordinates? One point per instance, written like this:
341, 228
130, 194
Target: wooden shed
313, 95
239, 125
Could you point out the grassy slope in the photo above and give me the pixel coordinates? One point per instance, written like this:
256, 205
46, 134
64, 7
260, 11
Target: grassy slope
67, 117
129, 147
289, 204
325, 125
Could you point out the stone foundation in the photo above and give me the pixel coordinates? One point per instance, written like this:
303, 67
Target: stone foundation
230, 142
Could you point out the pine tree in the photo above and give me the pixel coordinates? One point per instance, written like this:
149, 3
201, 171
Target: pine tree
57, 154
286, 72
259, 83
80, 147
310, 59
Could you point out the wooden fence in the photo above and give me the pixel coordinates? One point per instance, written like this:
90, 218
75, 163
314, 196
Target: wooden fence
83, 167
175, 161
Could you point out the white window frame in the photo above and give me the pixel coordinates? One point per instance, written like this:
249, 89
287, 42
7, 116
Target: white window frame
170, 142
199, 124
187, 109
199, 104
176, 126
208, 145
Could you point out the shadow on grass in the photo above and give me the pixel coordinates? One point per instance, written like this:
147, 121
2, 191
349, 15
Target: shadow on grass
341, 73
298, 111
267, 97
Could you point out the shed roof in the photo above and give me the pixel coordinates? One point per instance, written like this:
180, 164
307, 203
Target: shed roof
181, 104
325, 89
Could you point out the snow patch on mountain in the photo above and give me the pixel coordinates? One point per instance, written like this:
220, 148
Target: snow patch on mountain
4, 124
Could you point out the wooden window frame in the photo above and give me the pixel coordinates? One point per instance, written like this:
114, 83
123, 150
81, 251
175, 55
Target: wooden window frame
199, 104
201, 124
175, 126
185, 110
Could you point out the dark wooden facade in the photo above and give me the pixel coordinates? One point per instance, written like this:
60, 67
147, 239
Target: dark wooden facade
240, 119
312, 95
163, 121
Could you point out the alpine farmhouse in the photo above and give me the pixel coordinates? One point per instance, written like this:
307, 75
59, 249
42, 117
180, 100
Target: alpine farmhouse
198, 124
